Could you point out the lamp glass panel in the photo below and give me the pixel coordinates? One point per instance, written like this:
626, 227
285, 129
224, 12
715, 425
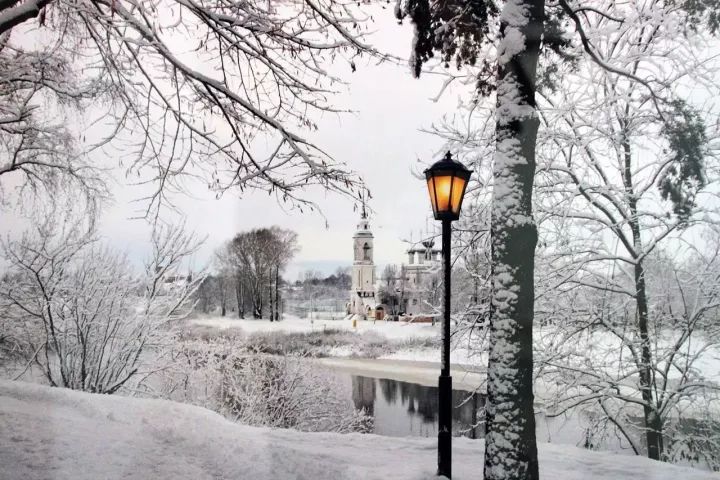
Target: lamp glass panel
443, 190
431, 191
458, 188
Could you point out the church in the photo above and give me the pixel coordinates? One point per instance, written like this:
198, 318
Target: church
416, 281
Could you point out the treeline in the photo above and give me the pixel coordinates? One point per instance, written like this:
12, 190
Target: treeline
247, 274
314, 291
341, 279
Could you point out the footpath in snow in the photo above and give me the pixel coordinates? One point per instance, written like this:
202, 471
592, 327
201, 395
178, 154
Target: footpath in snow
51, 433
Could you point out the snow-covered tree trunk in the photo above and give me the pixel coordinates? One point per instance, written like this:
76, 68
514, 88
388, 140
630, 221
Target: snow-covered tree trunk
511, 450
653, 424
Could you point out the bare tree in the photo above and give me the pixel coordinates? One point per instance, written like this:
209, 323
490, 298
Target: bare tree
89, 321
255, 76
283, 248
591, 359
228, 280
257, 257
389, 289
39, 154
629, 169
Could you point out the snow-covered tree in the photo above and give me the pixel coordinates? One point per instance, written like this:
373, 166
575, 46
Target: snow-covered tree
464, 32
516, 51
628, 169
591, 357
85, 318
176, 89
39, 154
256, 258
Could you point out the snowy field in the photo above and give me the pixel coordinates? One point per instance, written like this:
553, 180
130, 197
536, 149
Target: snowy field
291, 323
51, 433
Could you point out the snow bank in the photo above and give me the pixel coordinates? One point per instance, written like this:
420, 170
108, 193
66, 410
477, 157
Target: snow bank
60, 434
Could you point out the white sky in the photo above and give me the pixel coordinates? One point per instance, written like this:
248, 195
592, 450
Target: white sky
381, 142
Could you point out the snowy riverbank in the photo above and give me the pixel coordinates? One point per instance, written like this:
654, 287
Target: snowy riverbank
61, 434
293, 324
412, 371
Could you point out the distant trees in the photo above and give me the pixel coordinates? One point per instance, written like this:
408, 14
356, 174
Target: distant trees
83, 316
249, 268
340, 279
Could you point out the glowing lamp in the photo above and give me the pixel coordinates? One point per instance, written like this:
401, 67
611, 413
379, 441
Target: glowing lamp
446, 181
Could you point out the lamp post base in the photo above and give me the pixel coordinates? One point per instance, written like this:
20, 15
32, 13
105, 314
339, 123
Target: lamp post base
445, 426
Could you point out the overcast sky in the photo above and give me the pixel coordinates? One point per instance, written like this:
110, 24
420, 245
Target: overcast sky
382, 141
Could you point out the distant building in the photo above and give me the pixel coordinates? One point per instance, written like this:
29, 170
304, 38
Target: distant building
414, 286
363, 300
420, 277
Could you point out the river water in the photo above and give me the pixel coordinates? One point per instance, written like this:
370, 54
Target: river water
408, 409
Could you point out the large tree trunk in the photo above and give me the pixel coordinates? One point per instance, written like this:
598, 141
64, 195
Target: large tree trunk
510, 444
653, 423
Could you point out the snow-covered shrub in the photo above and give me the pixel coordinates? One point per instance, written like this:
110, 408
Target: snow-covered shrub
84, 316
319, 343
694, 441
287, 392
260, 389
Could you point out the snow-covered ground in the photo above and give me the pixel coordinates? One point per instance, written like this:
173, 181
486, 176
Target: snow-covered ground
291, 323
51, 433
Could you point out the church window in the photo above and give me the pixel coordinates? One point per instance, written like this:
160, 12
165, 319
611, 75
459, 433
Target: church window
366, 252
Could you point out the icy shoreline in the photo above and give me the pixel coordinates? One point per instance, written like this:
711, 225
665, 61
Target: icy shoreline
412, 371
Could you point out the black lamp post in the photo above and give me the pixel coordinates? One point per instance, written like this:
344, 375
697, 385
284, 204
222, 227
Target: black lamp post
446, 182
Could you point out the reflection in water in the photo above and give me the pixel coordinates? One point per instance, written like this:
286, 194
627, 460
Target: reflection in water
411, 409
402, 409
364, 394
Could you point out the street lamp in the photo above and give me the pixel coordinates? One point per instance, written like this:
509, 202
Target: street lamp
446, 180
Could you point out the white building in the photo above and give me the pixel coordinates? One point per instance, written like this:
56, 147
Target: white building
414, 286
363, 300
421, 277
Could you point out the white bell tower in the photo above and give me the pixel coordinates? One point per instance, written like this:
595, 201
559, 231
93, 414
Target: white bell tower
362, 291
